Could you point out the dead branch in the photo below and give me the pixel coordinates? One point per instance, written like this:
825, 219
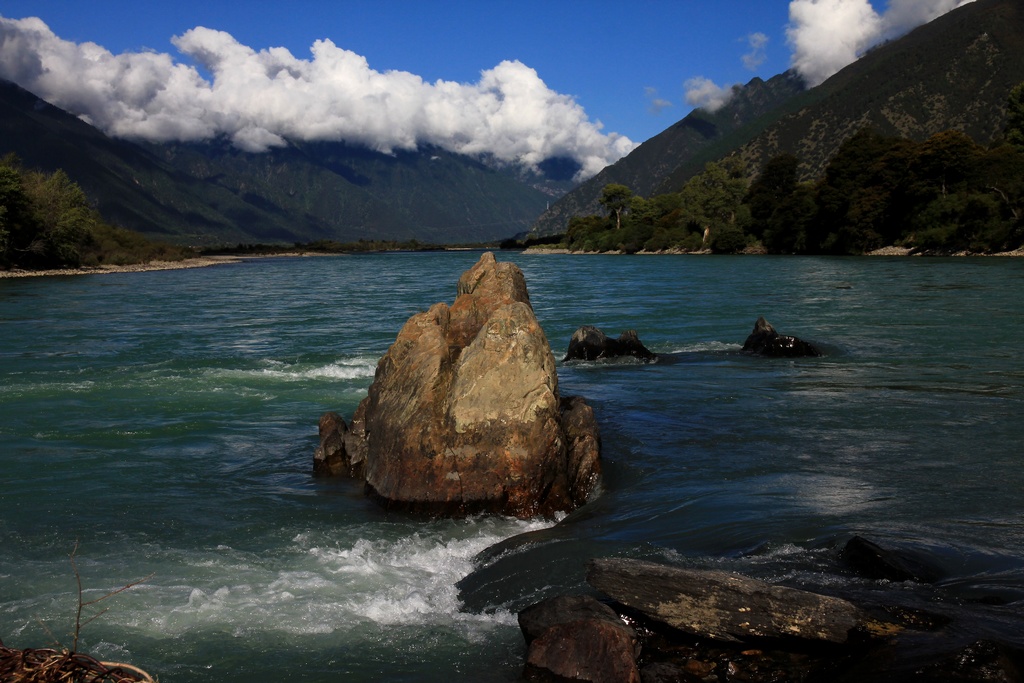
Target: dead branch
61, 665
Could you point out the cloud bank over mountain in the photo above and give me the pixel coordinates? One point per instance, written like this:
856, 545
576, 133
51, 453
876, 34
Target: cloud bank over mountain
827, 35
261, 98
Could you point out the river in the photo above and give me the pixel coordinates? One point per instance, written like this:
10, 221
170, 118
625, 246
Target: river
165, 422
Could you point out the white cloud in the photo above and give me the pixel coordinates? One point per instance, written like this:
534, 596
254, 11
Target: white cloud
260, 98
758, 43
655, 104
704, 93
902, 16
827, 35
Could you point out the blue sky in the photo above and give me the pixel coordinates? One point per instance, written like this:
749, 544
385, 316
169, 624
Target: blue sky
626, 67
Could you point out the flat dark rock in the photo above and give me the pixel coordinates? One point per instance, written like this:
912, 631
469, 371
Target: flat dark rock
721, 605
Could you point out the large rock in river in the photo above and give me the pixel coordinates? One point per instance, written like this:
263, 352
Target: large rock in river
464, 413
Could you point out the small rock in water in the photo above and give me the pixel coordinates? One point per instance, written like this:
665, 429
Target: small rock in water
331, 457
765, 341
590, 343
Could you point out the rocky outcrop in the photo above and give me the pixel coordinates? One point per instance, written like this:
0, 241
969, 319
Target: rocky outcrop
464, 413
576, 637
706, 625
590, 343
765, 341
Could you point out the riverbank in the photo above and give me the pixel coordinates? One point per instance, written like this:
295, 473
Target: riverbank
206, 261
197, 262
884, 251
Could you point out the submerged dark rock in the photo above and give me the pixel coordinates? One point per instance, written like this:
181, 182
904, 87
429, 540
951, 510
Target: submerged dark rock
874, 562
983, 660
590, 343
765, 341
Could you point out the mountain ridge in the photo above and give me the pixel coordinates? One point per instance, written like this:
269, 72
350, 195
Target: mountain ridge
210, 192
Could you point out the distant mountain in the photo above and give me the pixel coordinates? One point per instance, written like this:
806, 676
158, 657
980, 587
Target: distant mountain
209, 193
953, 73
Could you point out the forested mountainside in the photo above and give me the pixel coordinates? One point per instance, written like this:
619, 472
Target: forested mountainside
954, 73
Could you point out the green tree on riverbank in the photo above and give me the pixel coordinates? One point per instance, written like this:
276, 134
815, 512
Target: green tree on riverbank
46, 221
946, 194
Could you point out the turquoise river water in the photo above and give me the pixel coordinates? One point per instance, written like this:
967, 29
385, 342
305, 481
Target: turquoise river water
165, 423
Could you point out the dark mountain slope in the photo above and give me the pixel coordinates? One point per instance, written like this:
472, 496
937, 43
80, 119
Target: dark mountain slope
644, 169
116, 175
213, 193
953, 73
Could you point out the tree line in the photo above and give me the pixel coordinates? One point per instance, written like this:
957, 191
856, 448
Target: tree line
46, 221
945, 194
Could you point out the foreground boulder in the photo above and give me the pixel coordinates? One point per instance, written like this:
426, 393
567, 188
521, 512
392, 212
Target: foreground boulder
765, 341
590, 343
721, 605
464, 413
577, 638
694, 625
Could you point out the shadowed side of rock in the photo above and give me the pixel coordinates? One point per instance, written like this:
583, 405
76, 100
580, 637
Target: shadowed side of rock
331, 457
464, 413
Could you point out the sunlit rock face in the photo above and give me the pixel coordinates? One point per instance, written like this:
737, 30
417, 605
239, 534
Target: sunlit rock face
464, 413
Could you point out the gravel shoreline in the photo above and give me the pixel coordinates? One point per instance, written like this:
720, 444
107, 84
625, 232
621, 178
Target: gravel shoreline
196, 262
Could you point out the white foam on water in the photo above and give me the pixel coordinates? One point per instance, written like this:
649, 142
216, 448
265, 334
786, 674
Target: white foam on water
316, 586
344, 369
355, 368
707, 346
